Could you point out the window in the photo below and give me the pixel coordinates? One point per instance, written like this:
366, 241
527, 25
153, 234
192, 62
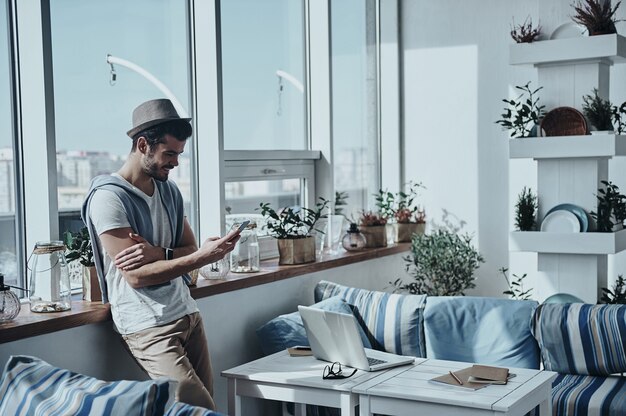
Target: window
355, 108
263, 74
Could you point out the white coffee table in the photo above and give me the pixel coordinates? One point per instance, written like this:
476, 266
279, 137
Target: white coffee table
293, 379
409, 391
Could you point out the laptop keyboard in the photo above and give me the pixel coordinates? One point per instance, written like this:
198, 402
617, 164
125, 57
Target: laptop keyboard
375, 361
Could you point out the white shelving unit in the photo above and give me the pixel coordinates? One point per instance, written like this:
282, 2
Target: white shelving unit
570, 168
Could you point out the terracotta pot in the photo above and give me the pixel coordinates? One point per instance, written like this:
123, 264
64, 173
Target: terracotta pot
405, 231
375, 235
296, 250
91, 285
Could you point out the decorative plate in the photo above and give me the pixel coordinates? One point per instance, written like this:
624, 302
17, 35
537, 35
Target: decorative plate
564, 121
580, 213
568, 30
561, 222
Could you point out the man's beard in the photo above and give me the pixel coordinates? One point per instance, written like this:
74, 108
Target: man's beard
152, 169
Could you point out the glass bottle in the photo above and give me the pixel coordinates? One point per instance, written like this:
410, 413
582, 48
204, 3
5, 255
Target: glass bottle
50, 289
9, 302
216, 270
353, 240
245, 257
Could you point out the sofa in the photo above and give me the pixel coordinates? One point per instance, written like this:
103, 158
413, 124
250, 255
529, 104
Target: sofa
31, 386
585, 344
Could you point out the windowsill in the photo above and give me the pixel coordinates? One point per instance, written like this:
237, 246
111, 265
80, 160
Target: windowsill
29, 324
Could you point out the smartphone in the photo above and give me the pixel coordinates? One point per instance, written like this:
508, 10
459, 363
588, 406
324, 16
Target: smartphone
240, 228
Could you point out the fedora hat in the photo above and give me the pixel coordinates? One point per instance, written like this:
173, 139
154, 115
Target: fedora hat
152, 113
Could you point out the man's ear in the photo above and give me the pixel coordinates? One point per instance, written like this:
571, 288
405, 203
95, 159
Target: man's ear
142, 145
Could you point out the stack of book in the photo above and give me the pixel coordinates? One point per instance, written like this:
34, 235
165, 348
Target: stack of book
475, 377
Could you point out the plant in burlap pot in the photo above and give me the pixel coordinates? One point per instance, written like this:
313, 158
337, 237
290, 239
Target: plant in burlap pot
526, 210
292, 227
79, 249
373, 227
409, 217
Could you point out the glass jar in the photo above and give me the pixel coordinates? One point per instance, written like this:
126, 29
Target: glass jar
353, 240
50, 289
9, 302
216, 270
245, 256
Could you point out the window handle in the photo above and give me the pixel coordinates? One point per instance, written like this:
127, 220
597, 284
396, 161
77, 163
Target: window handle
268, 171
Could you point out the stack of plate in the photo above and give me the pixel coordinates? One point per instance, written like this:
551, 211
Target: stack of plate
566, 218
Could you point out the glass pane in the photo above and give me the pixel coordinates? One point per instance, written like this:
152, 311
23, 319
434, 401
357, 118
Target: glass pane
242, 199
355, 143
263, 74
92, 115
8, 217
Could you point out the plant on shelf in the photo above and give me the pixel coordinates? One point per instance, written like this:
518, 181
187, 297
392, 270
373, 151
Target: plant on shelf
619, 117
516, 286
611, 208
598, 111
292, 227
341, 200
79, 249
617, 295
522, 113
598, 16
526, 210
441, 264
525, 32
373, 227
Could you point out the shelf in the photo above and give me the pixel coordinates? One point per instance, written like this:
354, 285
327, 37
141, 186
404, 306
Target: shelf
568, 243
571, 50
562, 147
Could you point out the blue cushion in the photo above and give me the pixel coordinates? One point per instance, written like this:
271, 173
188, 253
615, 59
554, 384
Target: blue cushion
575, 395
480, 330
393, 322
581, 338
184, 409
288, 330
32, 386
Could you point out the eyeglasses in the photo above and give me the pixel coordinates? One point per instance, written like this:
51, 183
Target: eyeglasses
334, 371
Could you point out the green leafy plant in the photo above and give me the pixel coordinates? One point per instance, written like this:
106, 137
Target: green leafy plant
402, 205
516, 286
596, 15
441, 264
617, 295
522, 113
292, 222
611, 208
79, 247
526, 210
341, 200
525, 32
619, 117
598, 111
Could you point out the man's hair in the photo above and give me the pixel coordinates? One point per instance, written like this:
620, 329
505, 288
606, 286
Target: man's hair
180, 129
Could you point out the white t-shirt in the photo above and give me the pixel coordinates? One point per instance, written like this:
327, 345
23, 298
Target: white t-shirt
136, 309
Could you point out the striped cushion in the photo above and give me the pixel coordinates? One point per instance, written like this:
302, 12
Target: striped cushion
574, 395
30, 386
184, 409
393, 322
581, 339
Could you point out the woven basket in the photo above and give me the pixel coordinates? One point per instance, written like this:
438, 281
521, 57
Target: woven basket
564, 121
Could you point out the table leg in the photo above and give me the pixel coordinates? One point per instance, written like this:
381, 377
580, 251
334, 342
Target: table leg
234, 400
364, 405
348, 405
299, 409
545, 407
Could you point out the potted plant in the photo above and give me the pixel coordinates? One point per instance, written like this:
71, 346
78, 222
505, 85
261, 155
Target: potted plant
525, 33
598, 111
373, 227
292, 228
596, 15
441, 264
617, 295
611, 209
516, 286
523, 114
619, 117
79, 249
408, 217
526, 210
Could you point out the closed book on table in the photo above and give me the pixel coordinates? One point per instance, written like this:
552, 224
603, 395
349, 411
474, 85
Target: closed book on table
488, 375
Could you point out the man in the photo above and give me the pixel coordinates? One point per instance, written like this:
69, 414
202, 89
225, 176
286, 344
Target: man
143, 249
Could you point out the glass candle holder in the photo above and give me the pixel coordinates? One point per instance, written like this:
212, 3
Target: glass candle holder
9, 302
353, 240
50, 288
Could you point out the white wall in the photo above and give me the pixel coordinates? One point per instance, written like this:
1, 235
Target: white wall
230, 322
456, 74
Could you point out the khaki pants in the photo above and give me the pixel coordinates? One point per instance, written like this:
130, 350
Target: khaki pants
178, 351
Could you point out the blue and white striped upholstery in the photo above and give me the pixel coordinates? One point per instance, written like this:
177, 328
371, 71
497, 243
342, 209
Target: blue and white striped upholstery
30, 386
581, 338
575, 395
184, 409
393, 322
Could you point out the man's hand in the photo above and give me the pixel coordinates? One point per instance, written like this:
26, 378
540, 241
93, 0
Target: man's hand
215, 248
137, 255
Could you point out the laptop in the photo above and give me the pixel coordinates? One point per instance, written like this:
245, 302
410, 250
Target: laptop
335, 337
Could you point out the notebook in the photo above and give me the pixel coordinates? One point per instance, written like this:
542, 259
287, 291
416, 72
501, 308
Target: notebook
335, 337
488, 375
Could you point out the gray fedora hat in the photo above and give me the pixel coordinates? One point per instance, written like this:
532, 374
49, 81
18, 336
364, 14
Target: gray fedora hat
152, 113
